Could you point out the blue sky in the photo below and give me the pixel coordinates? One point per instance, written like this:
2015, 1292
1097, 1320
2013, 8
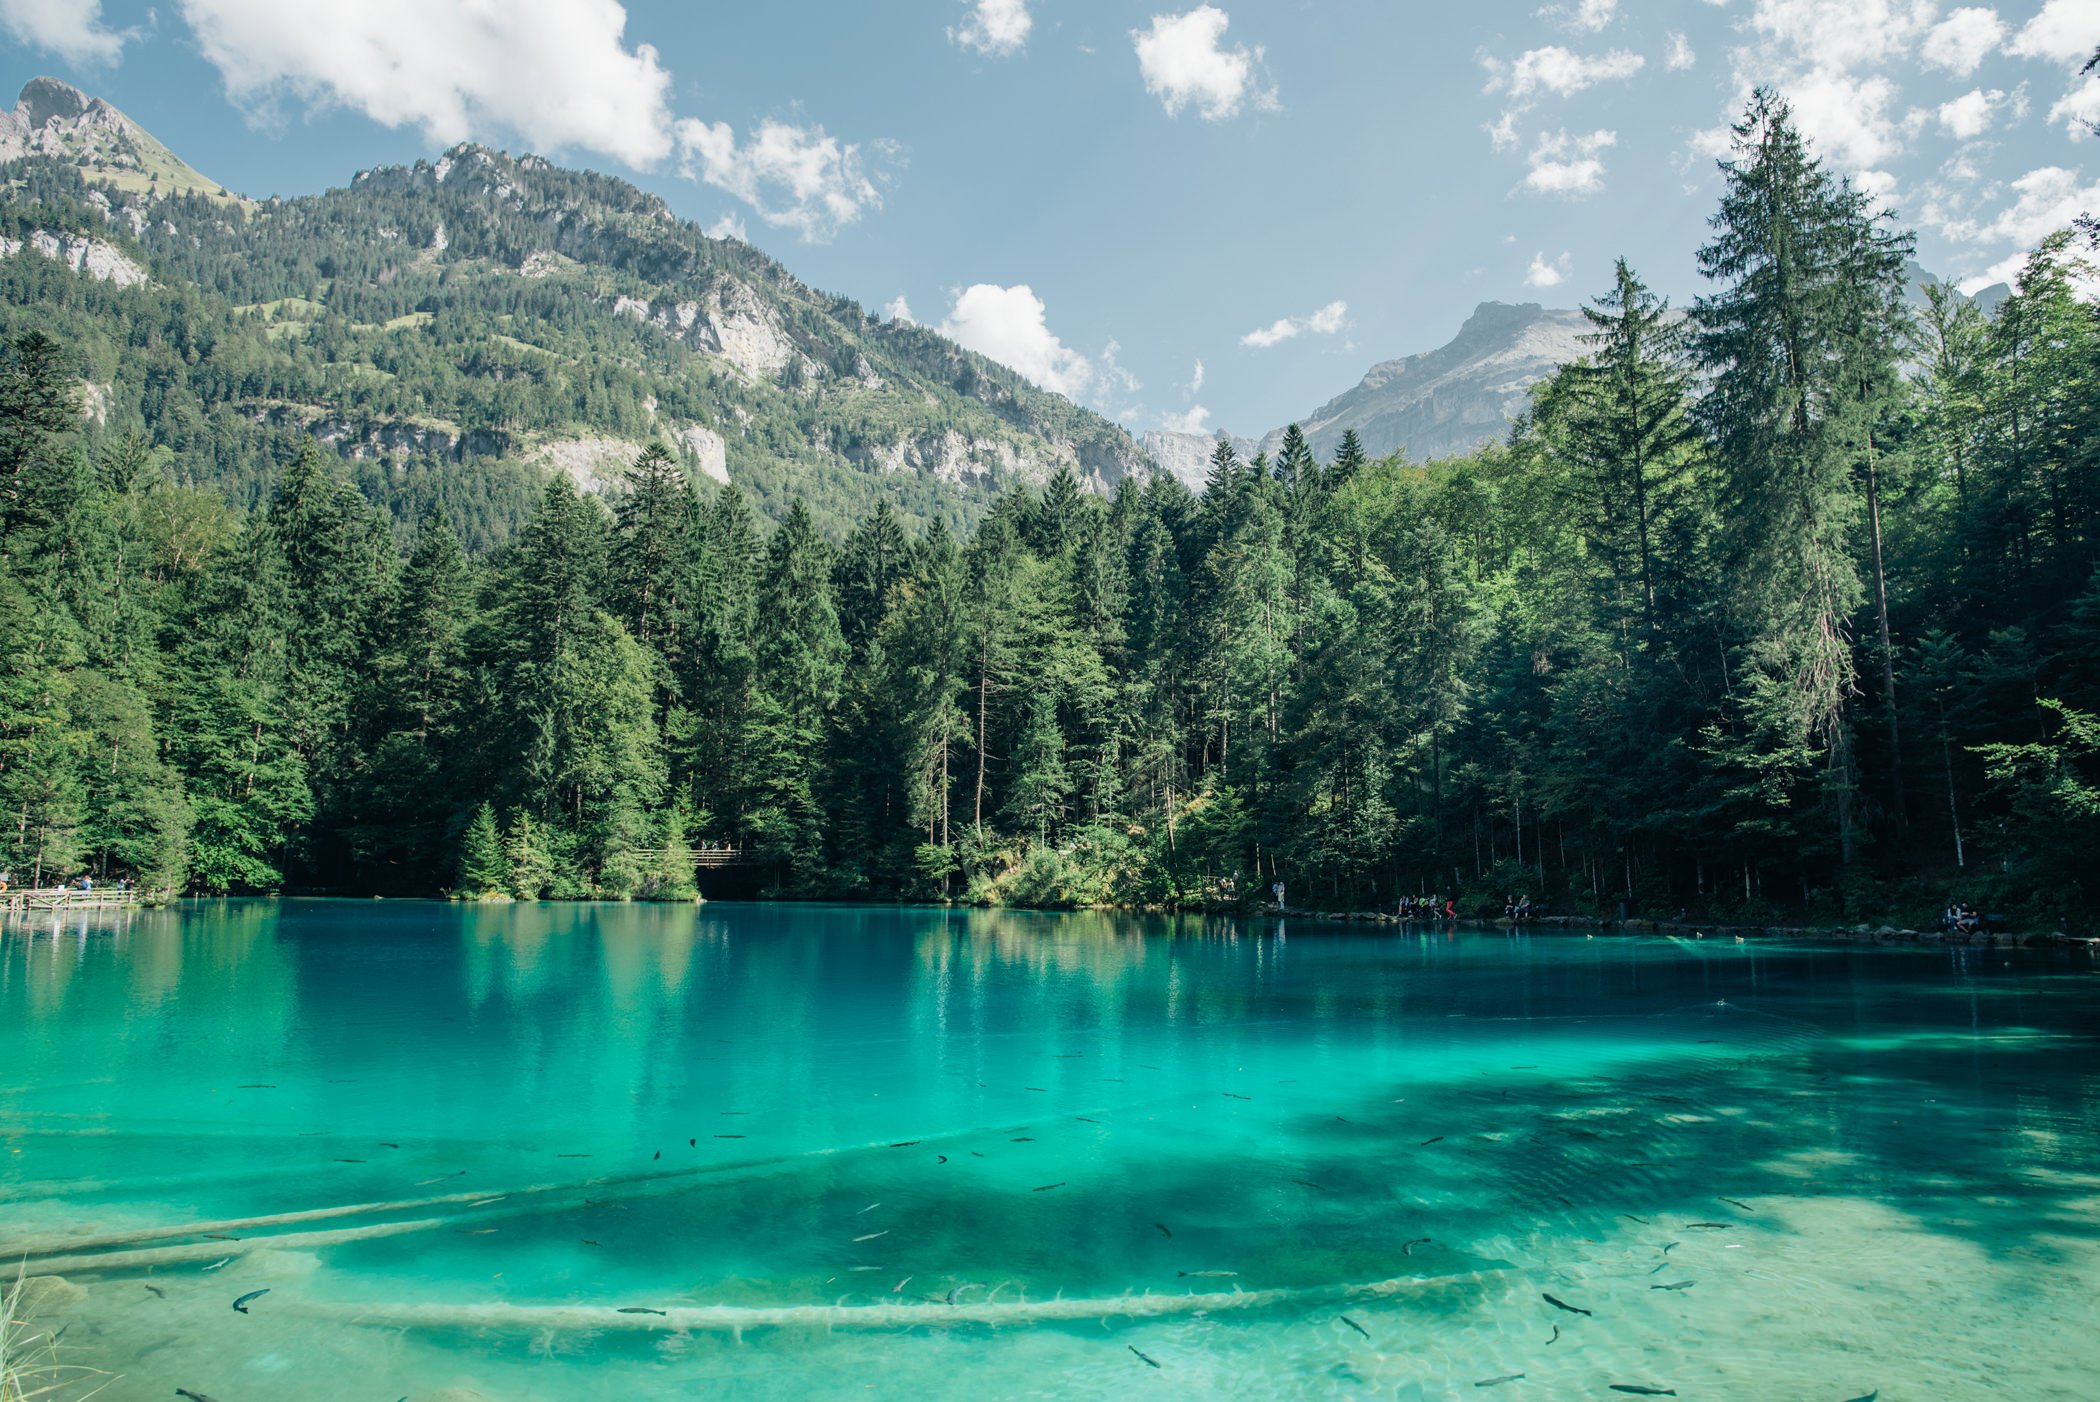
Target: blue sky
1109, 195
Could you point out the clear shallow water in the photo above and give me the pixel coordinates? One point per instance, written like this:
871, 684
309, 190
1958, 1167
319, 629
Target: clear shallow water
796, 1129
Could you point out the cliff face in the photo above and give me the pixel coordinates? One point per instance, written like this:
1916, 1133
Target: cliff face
58, 120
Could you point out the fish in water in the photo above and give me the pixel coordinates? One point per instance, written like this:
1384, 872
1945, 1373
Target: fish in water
1407, 1248
872, 1235
1564, 1305
1046, 1187
1427, 1142
1497, 1382
193, 1396
426, 1182
1733, 1203
1556, 1337
1638, 1391
1163, 1230
572, 1156
1230, 1096
900, 1285
222, 1261
1037, 1089
349, 1160
866, 1210
1208, 1275
692, 1143
900, 1144
1149, 1362
384, 1145
1084, 1120
729, 1136
1354, 1325
956, 1294
942, 1157
1706, 1226
655, 1156
638, 1309
1631, 1218
241, 1304
1873, 1396
158, 1293
1675, 1285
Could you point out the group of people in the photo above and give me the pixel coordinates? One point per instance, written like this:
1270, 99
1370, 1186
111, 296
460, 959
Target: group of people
1961, 918
1517, 908
1411, 908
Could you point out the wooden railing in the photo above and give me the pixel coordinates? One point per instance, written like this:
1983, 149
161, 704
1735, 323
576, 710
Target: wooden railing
25, 898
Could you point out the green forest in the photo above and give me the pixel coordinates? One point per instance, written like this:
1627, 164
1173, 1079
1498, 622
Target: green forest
1781, 604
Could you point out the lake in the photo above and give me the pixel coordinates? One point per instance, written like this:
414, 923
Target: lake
853, 1152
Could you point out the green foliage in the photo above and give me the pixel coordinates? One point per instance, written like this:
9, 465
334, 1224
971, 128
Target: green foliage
1740, 620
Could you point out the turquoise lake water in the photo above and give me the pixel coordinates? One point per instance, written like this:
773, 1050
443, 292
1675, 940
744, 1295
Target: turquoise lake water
1275, 1161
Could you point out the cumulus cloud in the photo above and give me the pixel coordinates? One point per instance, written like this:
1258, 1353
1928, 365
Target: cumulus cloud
1011, 325
1971, 115
558, 73
1679, 56
1569, 165
1324, 322
729, 226
994, 27
897, 309
2065, 30
1545, 274
1963, 40
2045, 200
72, 29
2078, 109
1195, 420
1185, 64
1559, 71
797, 178
1196, 379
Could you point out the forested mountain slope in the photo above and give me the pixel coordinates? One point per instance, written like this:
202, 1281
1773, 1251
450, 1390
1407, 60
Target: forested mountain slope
459, 328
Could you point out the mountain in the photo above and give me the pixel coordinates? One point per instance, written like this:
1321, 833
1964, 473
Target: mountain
1456, 397
59, 121
1450, 400
460, 327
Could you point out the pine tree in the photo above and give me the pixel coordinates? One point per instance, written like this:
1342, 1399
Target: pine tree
484, 866
1799, 342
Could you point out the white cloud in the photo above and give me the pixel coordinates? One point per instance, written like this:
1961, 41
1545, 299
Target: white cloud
2066, 30
795, 177
1324, 322
1184, 65
1559, 71
557, 73
1590, 15
72, 29
1196, 379
2046, 200
1569, 165
1960, 42
1680, 55
1196, 420
897, 309
2079, 108
1970, 115
1842, 34
1848, 116
1009, 325
994, 27
1545, 274
729, 226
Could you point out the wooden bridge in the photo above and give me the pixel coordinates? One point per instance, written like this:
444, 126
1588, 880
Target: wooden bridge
22, 899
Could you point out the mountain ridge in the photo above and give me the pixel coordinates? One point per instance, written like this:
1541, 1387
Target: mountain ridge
482, 308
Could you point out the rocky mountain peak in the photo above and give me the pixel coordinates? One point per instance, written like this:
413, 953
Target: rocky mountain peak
55, 119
